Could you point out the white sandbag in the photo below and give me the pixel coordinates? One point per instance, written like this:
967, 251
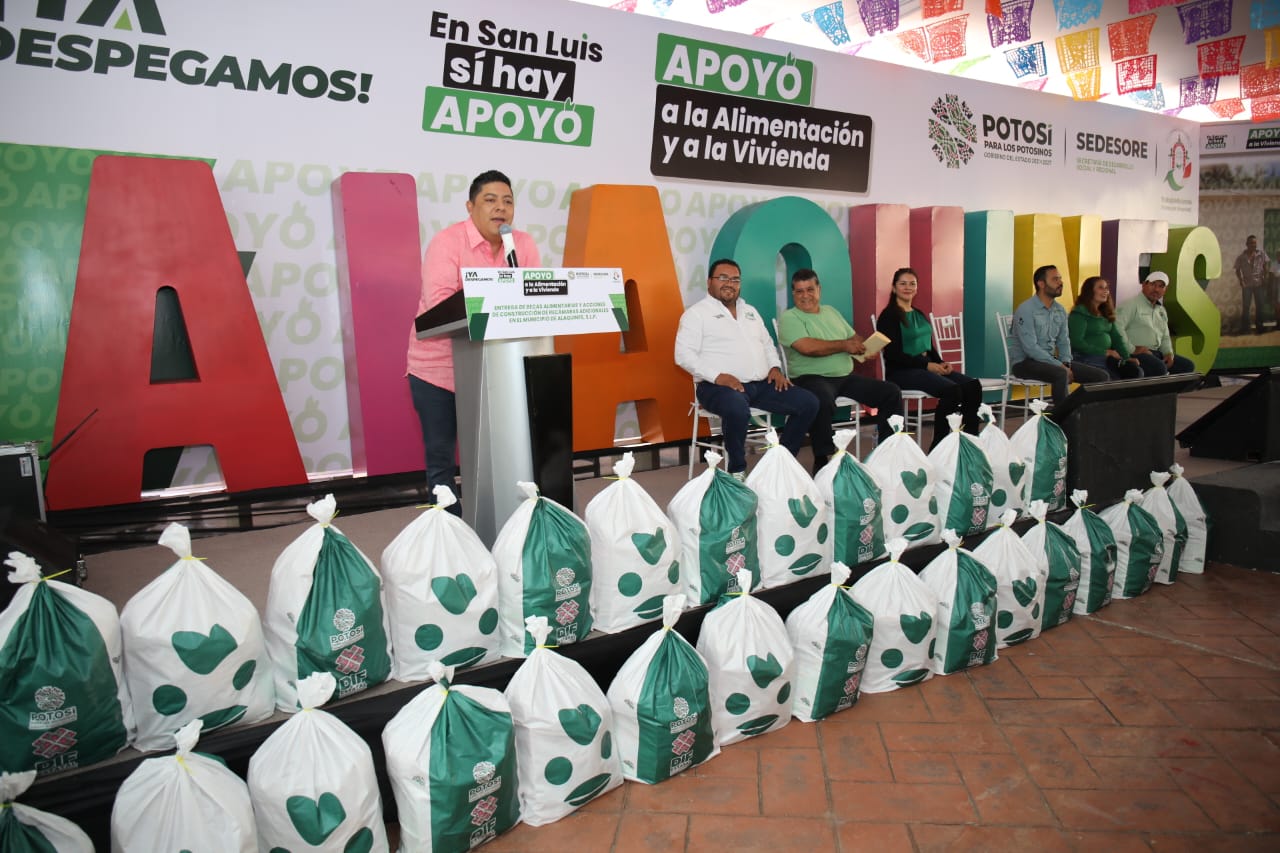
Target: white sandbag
635, 552
64, 702
831, 636
1008, 470
193, 647
544, 569
792, 524
312, 781
661, 705
1097, 546
965, 482
905, 612
908, 486
851, 495
1020, 581
27, 830
451, 760
966, 594
184, 801
1189, 507
748, 653
565, 754
1061, 564
716, 517
1172, 528
325, 612
1042, 444
1139, 545
441, 589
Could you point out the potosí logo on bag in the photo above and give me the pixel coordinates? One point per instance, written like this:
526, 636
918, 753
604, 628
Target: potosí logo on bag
348, 631
487, 781
49, 700
682, 744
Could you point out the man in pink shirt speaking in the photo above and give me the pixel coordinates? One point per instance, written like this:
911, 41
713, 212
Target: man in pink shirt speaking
473, 242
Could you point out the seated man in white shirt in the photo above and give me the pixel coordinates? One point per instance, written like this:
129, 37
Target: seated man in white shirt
723, 344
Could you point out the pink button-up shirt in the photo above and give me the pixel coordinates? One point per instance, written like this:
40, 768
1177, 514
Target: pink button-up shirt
460, 245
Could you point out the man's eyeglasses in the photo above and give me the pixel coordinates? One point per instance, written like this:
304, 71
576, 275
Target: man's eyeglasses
728, 279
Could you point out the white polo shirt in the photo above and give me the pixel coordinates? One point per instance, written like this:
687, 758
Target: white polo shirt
711, 341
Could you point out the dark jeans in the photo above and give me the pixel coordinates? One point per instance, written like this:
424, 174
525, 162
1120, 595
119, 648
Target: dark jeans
882, 396
734, 409
1153, 364
437, 414
955, 392
1116, 368
1055, 374
1246, 294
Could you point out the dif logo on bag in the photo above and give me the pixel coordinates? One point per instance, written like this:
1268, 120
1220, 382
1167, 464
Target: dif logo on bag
54, 745
681, 727
485, 797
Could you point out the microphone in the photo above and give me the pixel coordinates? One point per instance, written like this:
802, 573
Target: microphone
508, 244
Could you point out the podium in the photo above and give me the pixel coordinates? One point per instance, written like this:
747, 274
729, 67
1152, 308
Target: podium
514, 393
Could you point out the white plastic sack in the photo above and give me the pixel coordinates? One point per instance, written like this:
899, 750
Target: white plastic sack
831, 636
748, 653
325, 612
908, 486
1172, 528
1097, 546
1189, 507
1042, 444
1020, 582
193, 647
662, 706
565, 754
451, 760
184, 801
716, 517
544, 569
441, 588
905, 612
965, 482
966, 594
635, 552
792, 524
1139, 545
852, 497
63, 700
1008, 470
24, 829
312, 781
1061, 564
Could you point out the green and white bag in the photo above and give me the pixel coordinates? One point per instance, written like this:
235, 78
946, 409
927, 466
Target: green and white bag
1097, 546
451, 760
565, 754
749, 656
792, 524
662, 706
1061, 562
544, 569
184, 801
905, 612
1043, 446
852, 497
312, 781
716, 517
831, 636
441, 591
63, 701
1188, 505
1020, 583
635, 552
1008, 470
325, 612
1172, 527
1139, 545
966, 595
193, 647
908, 488
27, 830
965, 482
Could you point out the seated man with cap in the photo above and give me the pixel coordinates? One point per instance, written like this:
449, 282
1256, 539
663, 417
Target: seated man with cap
1145, 325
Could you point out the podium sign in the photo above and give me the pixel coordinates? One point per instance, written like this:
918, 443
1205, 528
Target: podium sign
527, 302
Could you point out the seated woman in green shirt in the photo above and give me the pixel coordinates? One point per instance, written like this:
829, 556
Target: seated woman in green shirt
1095, 338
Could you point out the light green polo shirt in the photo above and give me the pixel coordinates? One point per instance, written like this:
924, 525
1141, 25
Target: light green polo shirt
826, 325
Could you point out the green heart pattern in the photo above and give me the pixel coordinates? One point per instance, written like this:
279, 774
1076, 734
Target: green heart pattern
803, 510
650, 545
915, 481
1016, 470
916, 628
454, 594
763, 670
201, 653
1025, 591
315, 820
580, 723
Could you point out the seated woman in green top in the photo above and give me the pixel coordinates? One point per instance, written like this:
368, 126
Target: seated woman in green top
1095, 338
912, 363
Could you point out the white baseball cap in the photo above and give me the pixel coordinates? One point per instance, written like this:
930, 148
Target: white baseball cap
1156, 275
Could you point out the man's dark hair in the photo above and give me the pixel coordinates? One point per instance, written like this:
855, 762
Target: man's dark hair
711, 270
1041, 275
492, 176
1251, 237
804, 274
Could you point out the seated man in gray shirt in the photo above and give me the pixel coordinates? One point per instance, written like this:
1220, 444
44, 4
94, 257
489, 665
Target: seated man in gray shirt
1040, 346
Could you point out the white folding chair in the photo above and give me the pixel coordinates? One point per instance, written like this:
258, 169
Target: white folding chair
948, 336
1030, 387
756, 430
855, 408
910, 399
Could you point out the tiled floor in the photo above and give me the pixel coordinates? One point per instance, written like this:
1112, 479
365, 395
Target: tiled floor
1153, 725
